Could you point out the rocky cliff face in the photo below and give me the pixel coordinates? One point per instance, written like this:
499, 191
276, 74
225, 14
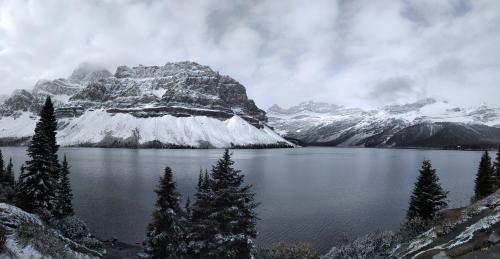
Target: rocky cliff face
178, 90
193, 87
184, 84
426, 123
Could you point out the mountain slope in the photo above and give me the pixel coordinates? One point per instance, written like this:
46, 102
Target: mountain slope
426, 123
181, 104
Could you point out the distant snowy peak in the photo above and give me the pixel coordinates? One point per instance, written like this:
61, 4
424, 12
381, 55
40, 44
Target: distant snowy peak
309, 106
87, 72
425, 122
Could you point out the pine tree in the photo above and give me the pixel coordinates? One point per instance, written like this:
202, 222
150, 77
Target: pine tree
187, 207
9, 178
496, 170
2, 168
202, 228
428, 197
38, 185
166, 236
64, 193
7, 181
233, 210
484, 178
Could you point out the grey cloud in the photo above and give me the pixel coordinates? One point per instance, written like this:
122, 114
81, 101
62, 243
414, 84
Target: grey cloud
282, 51
391, 89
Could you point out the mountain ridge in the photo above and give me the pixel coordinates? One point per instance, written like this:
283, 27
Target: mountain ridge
426, 123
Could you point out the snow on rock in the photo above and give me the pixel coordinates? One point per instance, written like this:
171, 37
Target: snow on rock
36, 239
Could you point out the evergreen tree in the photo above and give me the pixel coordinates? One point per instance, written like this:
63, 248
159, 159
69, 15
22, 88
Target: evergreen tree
166, 236
7, 181
233, 210
38, 185
496, 170
187, 207
428, 197
9, 178
485, 182
64, 193
2, 167
202, 228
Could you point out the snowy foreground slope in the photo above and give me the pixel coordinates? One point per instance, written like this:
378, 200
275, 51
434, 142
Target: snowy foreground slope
468, 232
426, 123
180, 104
472, 232
27, 236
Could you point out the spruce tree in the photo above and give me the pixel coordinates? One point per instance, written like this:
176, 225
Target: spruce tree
485, 182
2, 168
9, 178
428, 197
496, 170
64, 193
38, 185
166, 236
233, 210
202, 228
187, 207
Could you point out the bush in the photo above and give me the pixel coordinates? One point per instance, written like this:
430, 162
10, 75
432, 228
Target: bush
42, 239
7, 194
75, 229
414, 227
373, 245
288, 251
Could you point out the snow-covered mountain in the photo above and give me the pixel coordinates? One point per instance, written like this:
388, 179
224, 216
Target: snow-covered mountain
426, 123
178, 104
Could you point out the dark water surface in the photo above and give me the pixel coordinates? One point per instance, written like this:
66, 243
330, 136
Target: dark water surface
316, 195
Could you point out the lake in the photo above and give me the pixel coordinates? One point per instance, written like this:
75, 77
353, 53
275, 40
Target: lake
314, 195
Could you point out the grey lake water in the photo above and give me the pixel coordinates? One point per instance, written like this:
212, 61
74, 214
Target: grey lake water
314, 195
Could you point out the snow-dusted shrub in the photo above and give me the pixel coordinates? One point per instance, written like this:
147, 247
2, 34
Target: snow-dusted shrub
73, 227
373, 245
414, 227
6, 193
41, 239
288, 251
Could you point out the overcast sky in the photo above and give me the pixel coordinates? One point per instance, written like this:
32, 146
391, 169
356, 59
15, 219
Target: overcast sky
362, 53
